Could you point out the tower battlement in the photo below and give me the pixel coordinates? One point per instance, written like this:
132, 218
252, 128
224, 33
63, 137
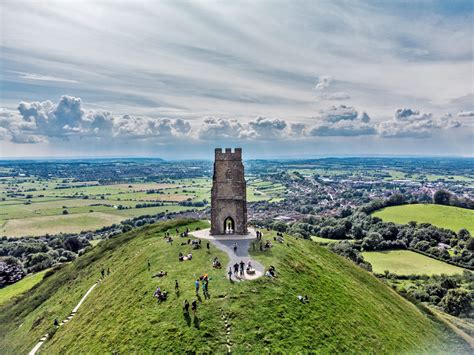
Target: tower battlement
228, 154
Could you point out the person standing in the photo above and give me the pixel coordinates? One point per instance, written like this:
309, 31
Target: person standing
230, 273
186, 307
194, 306
176, 285
236, 268
196, 283
242, 265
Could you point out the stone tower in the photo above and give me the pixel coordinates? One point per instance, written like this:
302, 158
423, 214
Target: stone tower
229, 193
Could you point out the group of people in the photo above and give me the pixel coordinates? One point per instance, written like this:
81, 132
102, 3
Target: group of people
161, 296
204, 281
183, 234
239, 269
193, 307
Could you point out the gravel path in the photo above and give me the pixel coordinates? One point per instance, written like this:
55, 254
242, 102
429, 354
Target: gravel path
226, 244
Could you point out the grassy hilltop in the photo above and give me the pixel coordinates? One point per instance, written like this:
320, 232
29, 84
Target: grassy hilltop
349, 309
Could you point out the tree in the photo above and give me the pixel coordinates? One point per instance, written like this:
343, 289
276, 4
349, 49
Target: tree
456, 301
372, 241
470, 244
11, 271
441, 197
73, 244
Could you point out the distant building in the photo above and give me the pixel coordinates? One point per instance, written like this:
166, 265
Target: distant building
228, 194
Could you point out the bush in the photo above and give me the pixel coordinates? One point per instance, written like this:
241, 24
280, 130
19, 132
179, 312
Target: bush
456, 301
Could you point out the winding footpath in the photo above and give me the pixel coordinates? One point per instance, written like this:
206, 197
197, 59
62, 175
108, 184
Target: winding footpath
73, 313
226, 244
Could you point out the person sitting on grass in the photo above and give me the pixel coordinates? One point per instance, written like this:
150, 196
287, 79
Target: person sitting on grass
160, 274
160, 295
271, 271
180, 256
302, 299
216, 264
190, 256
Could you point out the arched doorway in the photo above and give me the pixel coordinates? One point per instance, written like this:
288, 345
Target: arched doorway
229, 226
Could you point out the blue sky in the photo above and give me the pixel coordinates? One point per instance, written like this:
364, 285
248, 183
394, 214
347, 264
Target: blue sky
175, 79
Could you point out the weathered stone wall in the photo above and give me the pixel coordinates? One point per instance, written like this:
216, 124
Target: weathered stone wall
229, 192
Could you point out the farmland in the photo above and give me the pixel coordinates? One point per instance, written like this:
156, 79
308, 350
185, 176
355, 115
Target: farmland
406, 262
448, 217
33, 206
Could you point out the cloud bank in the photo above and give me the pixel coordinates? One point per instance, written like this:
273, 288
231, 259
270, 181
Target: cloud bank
37, 122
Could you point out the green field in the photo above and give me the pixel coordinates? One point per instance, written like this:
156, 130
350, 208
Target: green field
406, 262
448, 217
25, 284
349, 310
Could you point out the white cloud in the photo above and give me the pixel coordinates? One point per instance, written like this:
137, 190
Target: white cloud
40, 77
466, 114
342, 120
260, 128
408, 123
38, 121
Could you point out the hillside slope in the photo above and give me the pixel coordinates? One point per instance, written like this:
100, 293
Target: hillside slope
349, 309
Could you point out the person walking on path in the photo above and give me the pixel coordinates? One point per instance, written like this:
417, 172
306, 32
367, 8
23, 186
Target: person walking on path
236, 268
242, 265
196, 283
235, 247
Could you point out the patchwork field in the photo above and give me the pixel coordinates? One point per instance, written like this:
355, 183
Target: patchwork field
406, 262
34, 207
448, 217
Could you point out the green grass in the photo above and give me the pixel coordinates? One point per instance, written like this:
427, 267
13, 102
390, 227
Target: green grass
448, 217
25, 284
349, 309
326, 240
71, 223
406, 262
